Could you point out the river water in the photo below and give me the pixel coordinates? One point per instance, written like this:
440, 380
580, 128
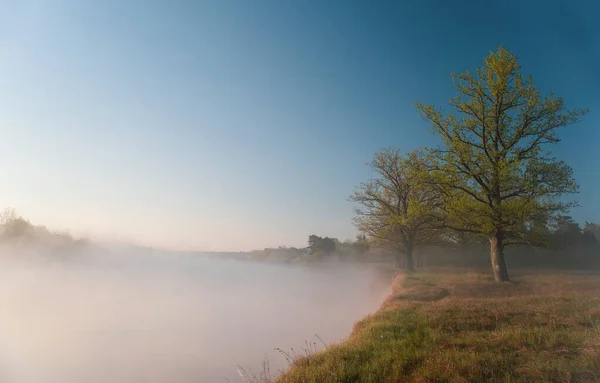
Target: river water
166, 317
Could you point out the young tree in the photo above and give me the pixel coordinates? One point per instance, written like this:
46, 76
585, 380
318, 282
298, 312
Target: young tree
493, 164
393, 207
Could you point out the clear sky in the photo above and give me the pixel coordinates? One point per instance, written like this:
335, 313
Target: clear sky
231, 125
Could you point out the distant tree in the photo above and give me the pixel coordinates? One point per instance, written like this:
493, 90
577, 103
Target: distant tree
593, 230
567, 232
313, 243
537, 230
361, 245
494, 167
588, 238
393, 208
17, 227
7, 216
321, 245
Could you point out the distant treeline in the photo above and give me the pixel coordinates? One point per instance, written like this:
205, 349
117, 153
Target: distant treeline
15, 229
323, 249
564, 245
567, 245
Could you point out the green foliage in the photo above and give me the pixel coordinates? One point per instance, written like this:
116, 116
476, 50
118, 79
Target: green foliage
494, 169
394, 208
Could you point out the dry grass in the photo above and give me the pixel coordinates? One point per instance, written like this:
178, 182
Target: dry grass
451, 325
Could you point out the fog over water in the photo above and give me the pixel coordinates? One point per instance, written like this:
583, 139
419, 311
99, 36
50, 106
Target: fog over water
149, 317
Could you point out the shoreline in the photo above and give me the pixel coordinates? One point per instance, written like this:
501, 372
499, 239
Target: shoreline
457, 324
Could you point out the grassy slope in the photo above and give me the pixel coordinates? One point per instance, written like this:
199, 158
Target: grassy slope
459, 326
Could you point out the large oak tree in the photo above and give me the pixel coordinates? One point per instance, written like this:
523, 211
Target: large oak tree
494, 165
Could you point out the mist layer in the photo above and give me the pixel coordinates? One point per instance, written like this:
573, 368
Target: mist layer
165, 317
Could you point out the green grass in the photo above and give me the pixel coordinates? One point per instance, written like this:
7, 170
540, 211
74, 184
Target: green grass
448, 325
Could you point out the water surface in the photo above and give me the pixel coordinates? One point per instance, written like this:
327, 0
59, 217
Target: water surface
167, 318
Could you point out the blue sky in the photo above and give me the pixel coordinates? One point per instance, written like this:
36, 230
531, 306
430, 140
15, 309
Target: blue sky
229, 125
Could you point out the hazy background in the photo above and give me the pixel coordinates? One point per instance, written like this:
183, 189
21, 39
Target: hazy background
235, 125
154, 317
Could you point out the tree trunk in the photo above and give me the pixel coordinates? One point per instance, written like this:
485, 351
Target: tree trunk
398, 261
497, 256
404, 260
410, 264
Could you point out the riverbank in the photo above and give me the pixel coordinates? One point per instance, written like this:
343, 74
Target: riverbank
458, 325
